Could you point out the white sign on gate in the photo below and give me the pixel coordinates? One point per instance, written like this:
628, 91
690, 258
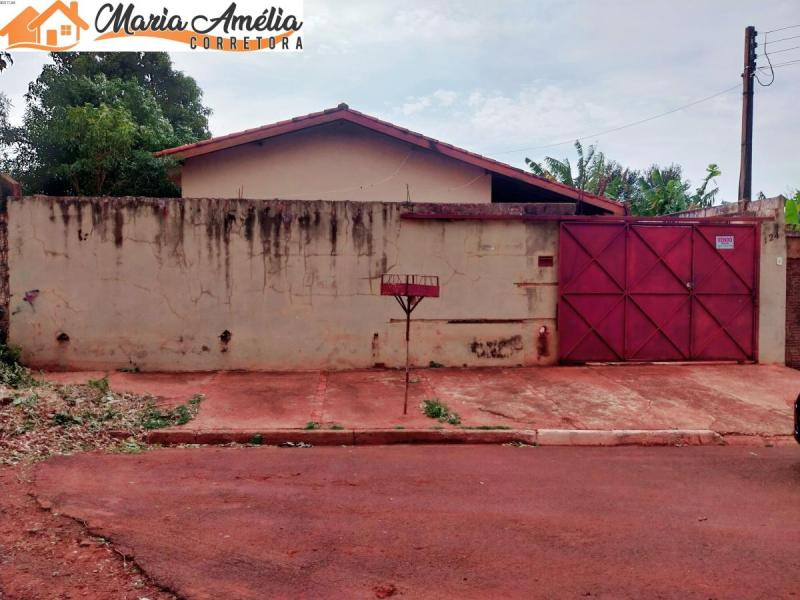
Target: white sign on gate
725, 242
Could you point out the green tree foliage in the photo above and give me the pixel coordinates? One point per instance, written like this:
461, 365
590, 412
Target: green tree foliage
5, 60
595, 173
178, 95
7, 135
654, 191
792, 210
664, 191
92, 122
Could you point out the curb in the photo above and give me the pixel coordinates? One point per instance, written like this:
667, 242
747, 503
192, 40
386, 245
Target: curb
532, 437
628, 437
345, 437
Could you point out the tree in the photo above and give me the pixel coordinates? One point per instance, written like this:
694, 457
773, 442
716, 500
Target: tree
5, 60
92, 123
177, 94
655, 191
792, 210
664, 191
595, 174
7, 135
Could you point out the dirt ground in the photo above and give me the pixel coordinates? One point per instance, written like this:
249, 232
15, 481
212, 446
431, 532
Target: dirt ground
446, 522
47, 556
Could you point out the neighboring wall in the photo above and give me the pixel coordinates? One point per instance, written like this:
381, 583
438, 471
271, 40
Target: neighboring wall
772, 271
196, 284
793, 299
338, 161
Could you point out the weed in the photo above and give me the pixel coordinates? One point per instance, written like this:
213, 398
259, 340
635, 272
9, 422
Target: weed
435, 365
154, 418
65, 419
311, 425
399, 427
12, 373
134, 368
182, 414
101, 385
26, 402
438, 410
434, 409
454, 419
57, 419
129, 446
257, 440
336, 427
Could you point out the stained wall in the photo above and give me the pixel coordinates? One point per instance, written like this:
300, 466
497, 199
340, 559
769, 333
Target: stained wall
198, 284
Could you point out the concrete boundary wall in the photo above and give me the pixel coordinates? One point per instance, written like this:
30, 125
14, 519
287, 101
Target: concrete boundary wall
201, 284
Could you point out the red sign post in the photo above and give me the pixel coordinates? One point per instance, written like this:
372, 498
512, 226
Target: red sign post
409, 290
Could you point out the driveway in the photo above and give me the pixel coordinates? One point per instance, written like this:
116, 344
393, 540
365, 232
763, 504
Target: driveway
445, 522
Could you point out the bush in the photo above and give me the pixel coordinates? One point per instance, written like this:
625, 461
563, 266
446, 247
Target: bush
12, 373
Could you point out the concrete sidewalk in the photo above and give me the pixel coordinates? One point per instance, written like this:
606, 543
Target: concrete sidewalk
555, 403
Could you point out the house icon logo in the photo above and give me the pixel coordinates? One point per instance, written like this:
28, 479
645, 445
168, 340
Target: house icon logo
57, 28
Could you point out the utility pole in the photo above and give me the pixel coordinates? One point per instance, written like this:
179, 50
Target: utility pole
746, 164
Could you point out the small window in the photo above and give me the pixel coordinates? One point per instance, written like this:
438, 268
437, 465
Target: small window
66, 30
545, 261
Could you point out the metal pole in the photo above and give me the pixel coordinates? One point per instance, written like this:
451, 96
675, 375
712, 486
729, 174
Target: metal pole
408, 336
746, 161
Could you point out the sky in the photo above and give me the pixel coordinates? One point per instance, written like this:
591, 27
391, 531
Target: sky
506, 78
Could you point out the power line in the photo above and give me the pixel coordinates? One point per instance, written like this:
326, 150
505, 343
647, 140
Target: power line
793, 37
782, 28
783, 64
613, 129
779, 51
664, 114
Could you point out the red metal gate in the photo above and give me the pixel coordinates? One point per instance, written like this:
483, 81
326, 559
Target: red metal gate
639, 291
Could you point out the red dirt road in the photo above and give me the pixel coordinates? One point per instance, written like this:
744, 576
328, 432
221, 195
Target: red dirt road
446, 522
44, 555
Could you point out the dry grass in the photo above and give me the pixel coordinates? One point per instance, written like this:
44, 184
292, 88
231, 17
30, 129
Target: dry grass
39, 419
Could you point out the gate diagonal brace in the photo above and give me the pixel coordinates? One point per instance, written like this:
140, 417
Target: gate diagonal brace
725, 261
592, 328
659, 257
658, 328
722, 328
594, 258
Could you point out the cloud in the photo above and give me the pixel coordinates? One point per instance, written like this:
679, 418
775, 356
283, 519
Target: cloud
445, 97
415, 106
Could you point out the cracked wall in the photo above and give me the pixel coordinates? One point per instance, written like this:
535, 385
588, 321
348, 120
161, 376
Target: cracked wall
198, 284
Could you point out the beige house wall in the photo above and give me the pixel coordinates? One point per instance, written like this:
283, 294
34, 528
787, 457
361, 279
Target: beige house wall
157, 283
337, 161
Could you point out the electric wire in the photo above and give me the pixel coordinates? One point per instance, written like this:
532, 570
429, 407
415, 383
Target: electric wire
625, 126
778, 51
783, 64
782, 28
794, 37
771, 69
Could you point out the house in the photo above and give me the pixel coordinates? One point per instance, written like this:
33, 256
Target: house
57, 27
343, 154
17, 29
